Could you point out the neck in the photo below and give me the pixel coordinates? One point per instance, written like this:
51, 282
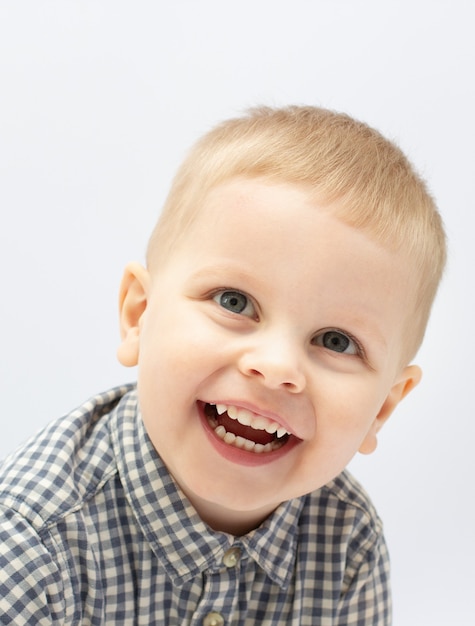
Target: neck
230, 521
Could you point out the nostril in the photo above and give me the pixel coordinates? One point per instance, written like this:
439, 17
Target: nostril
254, 372
289, 385
273, 371
275, 381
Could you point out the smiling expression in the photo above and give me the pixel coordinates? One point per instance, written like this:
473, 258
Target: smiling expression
269, 347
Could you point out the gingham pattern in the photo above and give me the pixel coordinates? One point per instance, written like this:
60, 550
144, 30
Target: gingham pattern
93, 531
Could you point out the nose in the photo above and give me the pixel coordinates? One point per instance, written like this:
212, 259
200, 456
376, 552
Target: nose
276, 362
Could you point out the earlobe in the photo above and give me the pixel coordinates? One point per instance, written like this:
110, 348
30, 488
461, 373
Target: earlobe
409, 378
132, 304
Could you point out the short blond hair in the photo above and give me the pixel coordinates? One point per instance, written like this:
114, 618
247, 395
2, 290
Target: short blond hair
367, 180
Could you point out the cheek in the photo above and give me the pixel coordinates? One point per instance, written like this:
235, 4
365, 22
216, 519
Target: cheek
176, 349
349, 405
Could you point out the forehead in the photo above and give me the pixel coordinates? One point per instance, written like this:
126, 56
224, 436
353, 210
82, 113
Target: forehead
278, 213
261, 225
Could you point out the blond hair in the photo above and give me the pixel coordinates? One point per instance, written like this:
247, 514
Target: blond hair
366, 179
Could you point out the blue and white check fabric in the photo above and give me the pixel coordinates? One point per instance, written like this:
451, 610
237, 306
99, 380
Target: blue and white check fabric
94, 531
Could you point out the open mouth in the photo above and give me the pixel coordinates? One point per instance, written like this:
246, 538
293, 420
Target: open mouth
245, 430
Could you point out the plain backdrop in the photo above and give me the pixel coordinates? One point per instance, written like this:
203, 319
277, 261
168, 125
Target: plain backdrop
99, 100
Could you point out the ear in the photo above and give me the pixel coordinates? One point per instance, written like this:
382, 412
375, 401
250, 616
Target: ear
132, 304
409, 378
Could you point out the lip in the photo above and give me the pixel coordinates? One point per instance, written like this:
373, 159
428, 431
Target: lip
238, 455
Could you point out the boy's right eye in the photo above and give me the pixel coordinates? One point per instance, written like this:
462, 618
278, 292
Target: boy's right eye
235, 302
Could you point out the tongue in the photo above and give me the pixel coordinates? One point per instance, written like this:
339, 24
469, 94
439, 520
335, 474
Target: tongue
233, 426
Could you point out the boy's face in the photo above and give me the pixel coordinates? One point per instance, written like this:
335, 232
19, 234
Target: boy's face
269, 314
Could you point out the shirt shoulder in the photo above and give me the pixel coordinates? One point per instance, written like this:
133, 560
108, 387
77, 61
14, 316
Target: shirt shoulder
340, 520
341, 540
348, 516
49, 573
345, 496
64, 464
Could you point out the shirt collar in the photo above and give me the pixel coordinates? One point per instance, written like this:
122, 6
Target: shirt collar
179, 538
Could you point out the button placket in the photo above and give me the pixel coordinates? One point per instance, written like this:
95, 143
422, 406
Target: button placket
220, 598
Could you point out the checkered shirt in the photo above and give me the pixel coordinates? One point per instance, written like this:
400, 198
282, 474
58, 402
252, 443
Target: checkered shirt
94, 531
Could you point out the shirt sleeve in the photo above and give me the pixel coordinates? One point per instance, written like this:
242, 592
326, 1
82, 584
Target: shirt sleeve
30, 584
366, 600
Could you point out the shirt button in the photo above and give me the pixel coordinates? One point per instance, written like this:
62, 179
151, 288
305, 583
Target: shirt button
213, 619
231, 557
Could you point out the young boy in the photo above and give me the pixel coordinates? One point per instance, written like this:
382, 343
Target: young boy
288, 285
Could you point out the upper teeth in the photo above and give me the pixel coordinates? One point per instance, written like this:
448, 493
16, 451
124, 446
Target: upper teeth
247, 418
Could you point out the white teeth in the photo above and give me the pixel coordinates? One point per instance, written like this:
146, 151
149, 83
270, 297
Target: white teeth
259, 423
249, 445
220, 431
232, 411
229, 437
246, 418
240, 442
246, 444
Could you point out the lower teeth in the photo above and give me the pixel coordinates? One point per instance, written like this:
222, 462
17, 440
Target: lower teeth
241, 442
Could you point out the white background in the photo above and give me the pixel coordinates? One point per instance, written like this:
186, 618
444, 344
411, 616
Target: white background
99, 101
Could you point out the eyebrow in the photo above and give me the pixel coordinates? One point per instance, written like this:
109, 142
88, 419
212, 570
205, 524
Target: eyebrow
217, 271
369, 330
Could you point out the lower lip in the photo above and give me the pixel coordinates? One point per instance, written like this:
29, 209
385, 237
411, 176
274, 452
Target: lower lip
238, 455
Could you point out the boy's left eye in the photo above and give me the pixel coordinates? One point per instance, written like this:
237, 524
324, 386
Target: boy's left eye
235, 302
336, 341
